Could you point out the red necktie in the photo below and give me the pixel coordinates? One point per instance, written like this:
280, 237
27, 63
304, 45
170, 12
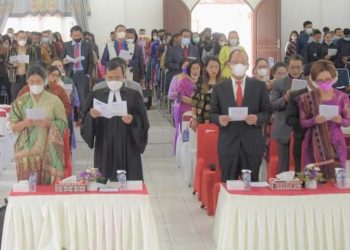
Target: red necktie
76, 55
239, 94
185, 52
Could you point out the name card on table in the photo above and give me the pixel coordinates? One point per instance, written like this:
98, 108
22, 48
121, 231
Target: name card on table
21, 186
235, 185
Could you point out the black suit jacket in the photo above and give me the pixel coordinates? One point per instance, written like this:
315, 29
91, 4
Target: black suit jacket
292, 113
86, 51
239, 133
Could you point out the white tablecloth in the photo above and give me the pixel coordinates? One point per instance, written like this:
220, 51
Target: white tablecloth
84, 221
279, 222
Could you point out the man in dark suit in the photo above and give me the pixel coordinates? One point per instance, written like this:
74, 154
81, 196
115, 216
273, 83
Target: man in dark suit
175, 55
241, 143
304, 38
279, 100
314, 49
79, 62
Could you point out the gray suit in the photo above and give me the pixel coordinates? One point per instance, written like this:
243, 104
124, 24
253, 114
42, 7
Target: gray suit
280, 130
173, 59
240, 146
81, 78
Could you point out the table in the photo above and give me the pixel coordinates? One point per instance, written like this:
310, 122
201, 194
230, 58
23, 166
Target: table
289, 220
89, 220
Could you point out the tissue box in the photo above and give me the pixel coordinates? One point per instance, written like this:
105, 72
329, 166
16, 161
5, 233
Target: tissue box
235, 185
79, 186
277, 184
21, 186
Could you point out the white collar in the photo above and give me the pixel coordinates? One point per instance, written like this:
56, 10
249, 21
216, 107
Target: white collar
117, 96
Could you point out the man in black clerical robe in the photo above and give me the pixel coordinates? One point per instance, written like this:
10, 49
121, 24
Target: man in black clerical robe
118, 141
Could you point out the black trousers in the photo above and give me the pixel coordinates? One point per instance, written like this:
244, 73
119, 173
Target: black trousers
232, 165
17, 86
298, 141
82, 83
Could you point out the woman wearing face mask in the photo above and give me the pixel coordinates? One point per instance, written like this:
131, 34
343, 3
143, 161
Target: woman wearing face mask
185, 91
196, 38
233, 45
328, 46
202, 96
324, 140
153, 63
291, 46
136, 65
261, 72
39, 145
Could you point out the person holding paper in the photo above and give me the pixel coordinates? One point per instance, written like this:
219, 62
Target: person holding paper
324, 139
279, 101
241, 142
79, 62
137, 61
40, 144
114, 47
329, 50
343, 53
20, 57
119, 140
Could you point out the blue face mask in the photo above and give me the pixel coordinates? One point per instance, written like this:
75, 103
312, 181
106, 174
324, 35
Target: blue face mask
185, 41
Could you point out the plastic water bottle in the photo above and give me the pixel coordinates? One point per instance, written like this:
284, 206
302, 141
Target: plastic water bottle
32, 181
121, 177
246, 177
340, 177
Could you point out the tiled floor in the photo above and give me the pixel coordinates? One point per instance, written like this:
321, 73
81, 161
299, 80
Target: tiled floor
181, 223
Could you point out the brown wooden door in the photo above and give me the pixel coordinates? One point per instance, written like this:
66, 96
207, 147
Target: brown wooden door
176, 16
267, 30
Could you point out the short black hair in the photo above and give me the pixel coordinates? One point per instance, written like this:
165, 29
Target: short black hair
119, 60
76, 28
35, 33
277, 66
237, 51
337, 29
140, 30
326, 29
346, 32
161, 30
20, 31
207, 29
112, 65
185, 30
306, 23
119, 26
317, 32
36, 69
51, 69
295, 58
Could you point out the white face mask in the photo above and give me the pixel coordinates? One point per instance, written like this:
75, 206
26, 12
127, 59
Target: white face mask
10, 35
239, 69
222, 43
129, 40
155, 37
121, 35
309, 31
114, 85
234, 42
36, 89
22, 43
45, 39
262, 71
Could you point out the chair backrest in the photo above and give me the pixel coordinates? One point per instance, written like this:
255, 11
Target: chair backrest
343, 78
207, 143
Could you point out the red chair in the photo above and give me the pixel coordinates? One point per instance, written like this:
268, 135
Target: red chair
206, 153
273, 159
67, 154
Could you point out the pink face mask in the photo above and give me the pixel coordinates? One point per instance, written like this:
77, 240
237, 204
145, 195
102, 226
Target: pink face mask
325, 86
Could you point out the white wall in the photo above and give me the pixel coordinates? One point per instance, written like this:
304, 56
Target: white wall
107, 14
331, 13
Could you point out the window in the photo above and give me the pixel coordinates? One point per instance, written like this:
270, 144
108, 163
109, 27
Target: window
55, 23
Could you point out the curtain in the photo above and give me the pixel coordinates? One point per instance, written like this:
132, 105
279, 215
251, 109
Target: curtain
80, 10
6, 7
41, 7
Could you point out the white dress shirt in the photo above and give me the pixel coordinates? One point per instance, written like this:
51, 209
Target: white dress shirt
235, 86
117, 96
